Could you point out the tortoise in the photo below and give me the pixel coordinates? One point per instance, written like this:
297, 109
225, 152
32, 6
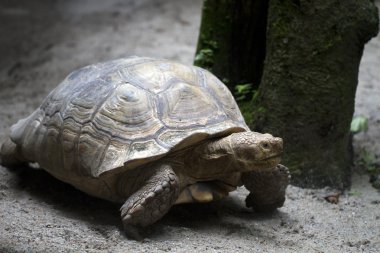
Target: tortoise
149, 133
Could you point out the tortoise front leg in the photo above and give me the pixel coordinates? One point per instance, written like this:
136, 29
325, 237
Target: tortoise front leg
150, 202
267, 188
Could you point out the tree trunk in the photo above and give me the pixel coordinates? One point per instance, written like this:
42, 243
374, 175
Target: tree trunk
232, 40
309, 81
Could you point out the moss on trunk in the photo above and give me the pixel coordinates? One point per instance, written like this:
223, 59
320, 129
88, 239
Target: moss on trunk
232, 40
309, 82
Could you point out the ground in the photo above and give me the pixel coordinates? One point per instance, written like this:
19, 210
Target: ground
43, 40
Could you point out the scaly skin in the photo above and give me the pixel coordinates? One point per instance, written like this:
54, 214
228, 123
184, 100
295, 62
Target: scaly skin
10, 155
151, 202
159, 185
238, 152
267, 188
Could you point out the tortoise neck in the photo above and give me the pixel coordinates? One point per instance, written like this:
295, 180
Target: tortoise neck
212, 158
216, 149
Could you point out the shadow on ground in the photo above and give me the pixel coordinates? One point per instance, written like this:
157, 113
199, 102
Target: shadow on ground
73, 203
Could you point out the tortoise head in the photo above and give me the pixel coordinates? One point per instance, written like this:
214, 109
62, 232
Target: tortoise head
256, 151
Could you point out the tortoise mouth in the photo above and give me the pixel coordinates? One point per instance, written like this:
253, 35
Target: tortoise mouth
268, 162
278, 155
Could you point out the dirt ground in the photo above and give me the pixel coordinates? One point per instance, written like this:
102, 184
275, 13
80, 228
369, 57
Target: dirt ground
43, 40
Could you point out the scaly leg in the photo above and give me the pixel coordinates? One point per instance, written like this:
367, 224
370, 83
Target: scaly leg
267, 188
151, 201
10, 154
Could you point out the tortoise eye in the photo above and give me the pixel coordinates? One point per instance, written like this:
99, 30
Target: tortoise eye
265, 145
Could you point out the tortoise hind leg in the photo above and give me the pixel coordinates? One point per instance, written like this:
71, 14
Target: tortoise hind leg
150, 202
267, 188
10, 154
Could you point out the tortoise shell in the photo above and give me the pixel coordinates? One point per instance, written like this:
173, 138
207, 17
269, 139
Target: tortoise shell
120, 114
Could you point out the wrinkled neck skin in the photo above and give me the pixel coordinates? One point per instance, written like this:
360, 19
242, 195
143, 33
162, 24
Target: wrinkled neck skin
210, 160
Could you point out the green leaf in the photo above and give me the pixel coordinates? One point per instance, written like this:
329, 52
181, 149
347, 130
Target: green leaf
242, 91
368, 157
359, 124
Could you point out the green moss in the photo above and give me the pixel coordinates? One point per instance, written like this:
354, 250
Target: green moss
246, 110
204, 58
332, 42
247, 101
